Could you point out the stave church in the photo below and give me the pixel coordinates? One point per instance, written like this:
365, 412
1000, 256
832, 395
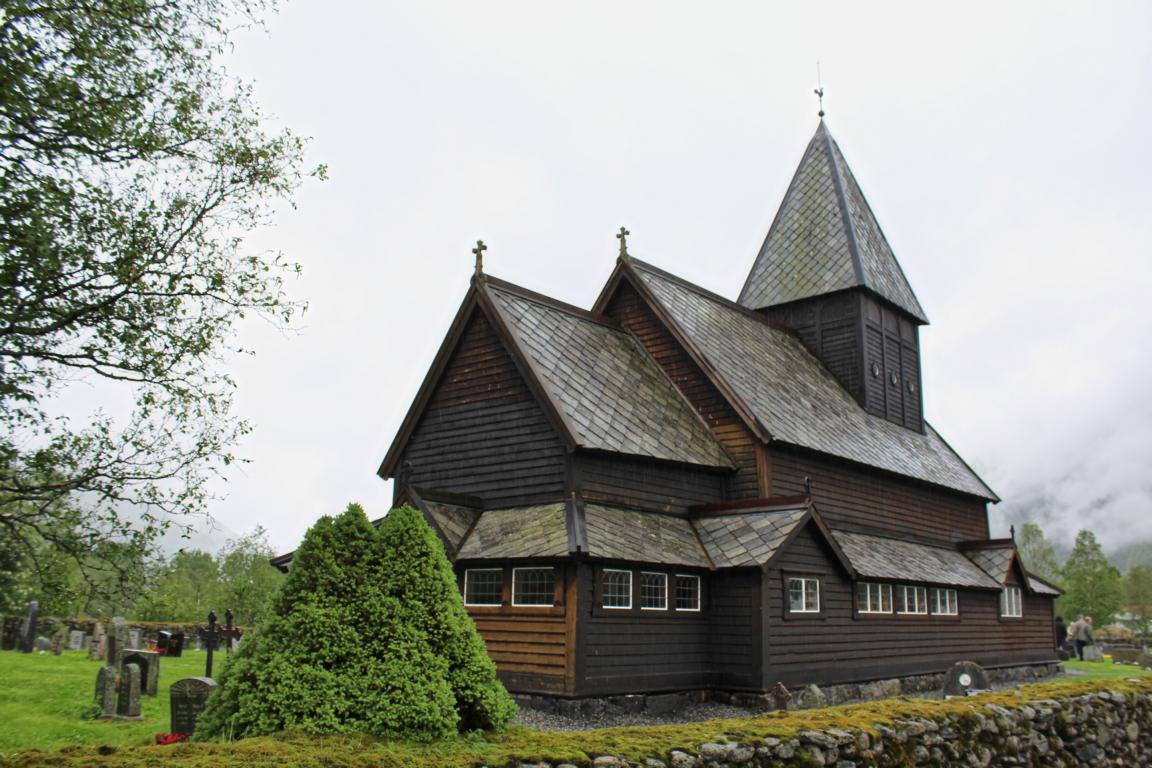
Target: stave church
675, 490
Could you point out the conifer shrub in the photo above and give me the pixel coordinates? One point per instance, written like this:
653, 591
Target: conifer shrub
352, 643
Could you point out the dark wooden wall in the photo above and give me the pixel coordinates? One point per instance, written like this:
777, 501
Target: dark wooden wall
629, 309
856, 498
483, 433
645, 483
735, 623
829, 325
893, 343
834, 647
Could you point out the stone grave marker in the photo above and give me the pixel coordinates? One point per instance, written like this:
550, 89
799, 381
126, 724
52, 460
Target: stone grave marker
963, 678
76, 640
149, 665
116, 641
1126, 655
42, 644
106, 691
128, 702
58, 642
134, 639
96, 646
176, 645
189, 697
27, 639
1093, 653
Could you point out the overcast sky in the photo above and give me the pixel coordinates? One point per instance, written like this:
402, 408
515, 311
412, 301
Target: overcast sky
1004, 148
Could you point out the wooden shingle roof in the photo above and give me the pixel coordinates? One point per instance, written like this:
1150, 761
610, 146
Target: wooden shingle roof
825, 238
877, 557
789, 395
613, 395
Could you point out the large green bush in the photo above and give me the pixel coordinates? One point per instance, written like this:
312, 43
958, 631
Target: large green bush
367, 634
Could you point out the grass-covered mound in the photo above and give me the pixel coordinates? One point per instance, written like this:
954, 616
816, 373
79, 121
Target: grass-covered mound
518, 745
368, 634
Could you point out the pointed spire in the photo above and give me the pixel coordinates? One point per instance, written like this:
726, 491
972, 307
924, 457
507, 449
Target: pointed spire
825, 238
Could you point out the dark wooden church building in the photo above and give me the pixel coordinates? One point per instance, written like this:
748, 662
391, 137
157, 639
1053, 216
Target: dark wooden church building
674, 490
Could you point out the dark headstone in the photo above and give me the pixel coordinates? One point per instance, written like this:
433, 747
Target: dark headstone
58, 642
96, 649
115, 641
106, 691
781, 697
76, 640
149, 664
128, 702
27, 638
176, 645
189, 697
963, 677
163, 638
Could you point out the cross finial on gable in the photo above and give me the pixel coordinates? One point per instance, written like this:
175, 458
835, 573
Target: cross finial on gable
479, 252
623, 238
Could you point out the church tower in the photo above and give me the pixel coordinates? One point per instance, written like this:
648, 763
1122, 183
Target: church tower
827, 272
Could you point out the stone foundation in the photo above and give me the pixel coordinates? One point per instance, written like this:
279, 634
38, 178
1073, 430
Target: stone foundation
922, 686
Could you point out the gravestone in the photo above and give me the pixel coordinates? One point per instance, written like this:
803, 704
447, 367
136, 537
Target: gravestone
176, 645
42, 644
58, 642
106, 691
963, 678
1126, 655
189, 697
76, 640
149, 664
811, 698
116, 641
128, 702
134, 639
96, 646
27, 638
1093, 653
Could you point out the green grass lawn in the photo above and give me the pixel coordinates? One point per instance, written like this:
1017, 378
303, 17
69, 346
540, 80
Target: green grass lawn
47, 701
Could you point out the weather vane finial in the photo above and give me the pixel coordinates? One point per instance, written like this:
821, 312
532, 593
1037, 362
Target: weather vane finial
623, 238
479, 252
819, 90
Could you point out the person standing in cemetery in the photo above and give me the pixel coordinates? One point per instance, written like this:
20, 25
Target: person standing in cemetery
1074, 632
1061, 634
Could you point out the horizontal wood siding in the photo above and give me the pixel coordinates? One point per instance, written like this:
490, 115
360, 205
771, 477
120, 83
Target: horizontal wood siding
869, 501
630, 310
644, 483
533, 648
483, 433
834, 647
639, 654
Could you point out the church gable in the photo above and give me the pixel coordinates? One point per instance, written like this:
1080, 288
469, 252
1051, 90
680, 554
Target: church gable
480, 429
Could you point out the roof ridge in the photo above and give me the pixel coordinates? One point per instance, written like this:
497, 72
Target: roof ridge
842, 202
550, 302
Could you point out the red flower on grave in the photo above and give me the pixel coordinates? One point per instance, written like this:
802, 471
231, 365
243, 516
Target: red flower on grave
171, 738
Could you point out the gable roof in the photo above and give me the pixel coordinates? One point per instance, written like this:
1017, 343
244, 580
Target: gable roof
733, 541
598, 385
876, 557
825, 238
787, 393
613, 395
996, 557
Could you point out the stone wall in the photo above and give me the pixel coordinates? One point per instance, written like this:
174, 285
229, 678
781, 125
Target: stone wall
1104, 728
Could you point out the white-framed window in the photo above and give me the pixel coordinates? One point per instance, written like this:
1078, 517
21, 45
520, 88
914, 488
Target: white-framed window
912, 600
653, 591
616, 588
803, 595
484, 586
873, 598
687, 592
533, 586
1010, 603
945, 602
